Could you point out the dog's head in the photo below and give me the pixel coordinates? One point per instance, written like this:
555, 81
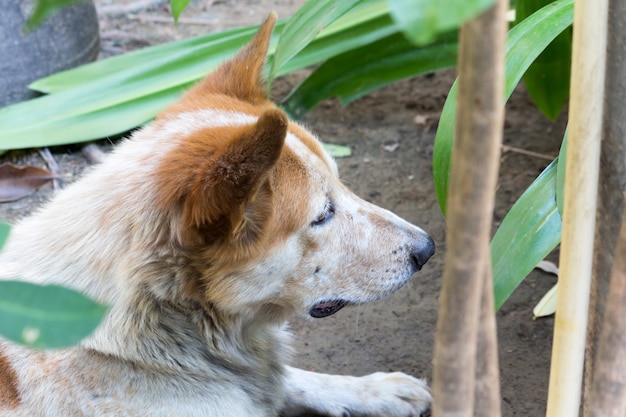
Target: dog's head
257, 204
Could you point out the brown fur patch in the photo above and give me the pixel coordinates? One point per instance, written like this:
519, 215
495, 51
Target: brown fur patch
9, 396
216, 179
309, 141
291, 186
239, 77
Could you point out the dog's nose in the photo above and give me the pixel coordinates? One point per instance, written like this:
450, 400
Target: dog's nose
422, 252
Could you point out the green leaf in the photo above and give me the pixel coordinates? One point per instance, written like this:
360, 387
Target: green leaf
177, 7
76, 114
179, 55
304, 26
46, 316
547, 79
359, 71
528, 233
112, 96
362, 25
532, 227
4, 233
44, 9
367, 23
525, 42
104, 122
422, 20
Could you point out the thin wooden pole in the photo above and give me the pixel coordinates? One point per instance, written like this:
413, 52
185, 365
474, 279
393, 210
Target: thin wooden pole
475, 164
585, 115
487, 390
611, 201
608, 390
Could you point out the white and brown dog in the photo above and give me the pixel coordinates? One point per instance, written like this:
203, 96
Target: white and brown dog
203, 233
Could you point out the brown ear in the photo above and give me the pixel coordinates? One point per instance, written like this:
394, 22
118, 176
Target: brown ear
241, 76
218, 178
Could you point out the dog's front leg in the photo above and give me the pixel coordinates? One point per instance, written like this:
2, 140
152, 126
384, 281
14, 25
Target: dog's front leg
379, 394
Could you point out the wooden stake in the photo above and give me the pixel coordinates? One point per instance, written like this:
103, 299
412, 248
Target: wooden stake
585, 115
611, 201
608, 390
475, 164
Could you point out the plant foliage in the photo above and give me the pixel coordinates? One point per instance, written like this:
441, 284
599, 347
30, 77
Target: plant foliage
422, 20
360, 45
547, 79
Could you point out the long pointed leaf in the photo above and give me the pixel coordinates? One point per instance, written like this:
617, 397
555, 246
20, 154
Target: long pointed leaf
528, 233
127, 85
304, 26
133, 64
357, 72
547, 79
109, 121
363, 25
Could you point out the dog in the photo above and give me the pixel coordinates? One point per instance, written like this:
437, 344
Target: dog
203, 233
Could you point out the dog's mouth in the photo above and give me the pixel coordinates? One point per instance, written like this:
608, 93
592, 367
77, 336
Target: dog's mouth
326, 308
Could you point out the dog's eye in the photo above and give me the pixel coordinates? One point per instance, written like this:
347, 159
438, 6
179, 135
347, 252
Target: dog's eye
325, 215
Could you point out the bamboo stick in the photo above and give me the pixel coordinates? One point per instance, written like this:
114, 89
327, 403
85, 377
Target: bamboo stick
475, 164
585, 115
608, 390
611, 201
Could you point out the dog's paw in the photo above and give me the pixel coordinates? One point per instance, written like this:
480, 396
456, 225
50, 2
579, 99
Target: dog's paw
376, 395
389, 394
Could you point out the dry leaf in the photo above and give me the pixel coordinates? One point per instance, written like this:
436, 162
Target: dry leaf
547, 304
18, 182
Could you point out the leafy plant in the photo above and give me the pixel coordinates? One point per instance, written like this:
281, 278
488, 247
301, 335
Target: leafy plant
532, 228
362, 46
547, 78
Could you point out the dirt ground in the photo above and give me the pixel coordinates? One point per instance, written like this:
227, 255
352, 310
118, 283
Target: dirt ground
390, 166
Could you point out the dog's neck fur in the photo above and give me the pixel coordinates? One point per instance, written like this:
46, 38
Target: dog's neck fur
204, 336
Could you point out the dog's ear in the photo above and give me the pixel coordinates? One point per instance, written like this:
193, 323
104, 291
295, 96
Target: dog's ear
218, 180
241, 77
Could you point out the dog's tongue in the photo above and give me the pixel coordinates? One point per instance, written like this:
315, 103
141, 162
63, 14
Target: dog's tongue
326, 308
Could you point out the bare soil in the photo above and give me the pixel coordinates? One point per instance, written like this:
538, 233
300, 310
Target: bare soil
391, 133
